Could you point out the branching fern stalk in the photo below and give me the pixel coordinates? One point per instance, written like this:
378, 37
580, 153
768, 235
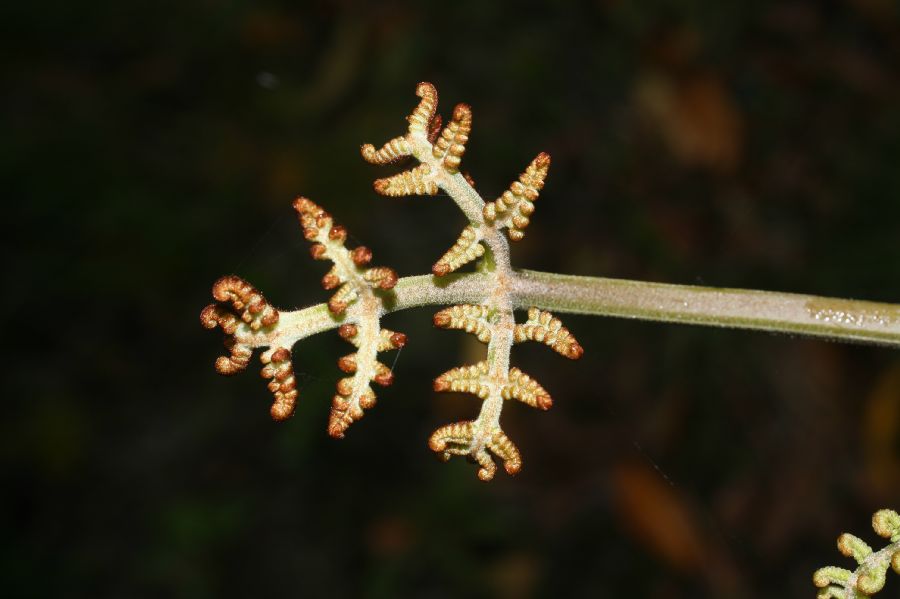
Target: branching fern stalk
871, 572
482, 302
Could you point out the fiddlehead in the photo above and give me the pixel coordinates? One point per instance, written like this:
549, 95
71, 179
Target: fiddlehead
872, 566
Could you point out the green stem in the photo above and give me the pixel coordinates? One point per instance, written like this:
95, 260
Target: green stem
808, 315
838, 319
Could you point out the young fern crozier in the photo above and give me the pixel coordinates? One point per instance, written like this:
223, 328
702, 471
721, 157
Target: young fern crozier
871, 572
481, 302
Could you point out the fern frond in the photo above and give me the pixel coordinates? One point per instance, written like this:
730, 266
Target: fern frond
422, 115
513, 209
871, 572
256, 316
502, 447
394, 150
465, 379
354, 394
486, 300
417, 181
283, 385
387, 339
256, 327
463, 438
522, 387
348, 274
451, 145
543, 327
473, 319
255, 310
467, 248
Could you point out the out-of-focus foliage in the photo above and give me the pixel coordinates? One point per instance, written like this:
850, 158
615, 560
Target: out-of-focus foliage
752, 145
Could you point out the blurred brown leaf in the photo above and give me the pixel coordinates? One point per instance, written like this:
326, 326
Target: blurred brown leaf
514, 576
662, 520
270, 28
658, 516
390, 534
880, 434
695, 116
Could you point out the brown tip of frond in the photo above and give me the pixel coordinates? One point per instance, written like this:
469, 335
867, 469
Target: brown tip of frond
342, 298
383, 375
442, 319
240, 357
313, 219
338, 233
305, 206
346, 410
344, 386
348, 331
502, 447
389, 340
317, 251
382, 276
466, 317
361, 255
575, 352
421, 116
440, 269
398, 340
281, 411
486, 472
417, 181
542, 162
337, 306
278, 368
469, 179
330, 280
385, 380
462, 113
336, 426
311, 216
347, 363
213, 315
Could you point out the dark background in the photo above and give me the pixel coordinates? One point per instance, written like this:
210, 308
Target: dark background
150, 147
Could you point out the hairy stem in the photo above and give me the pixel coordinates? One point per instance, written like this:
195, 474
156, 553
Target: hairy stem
838, 319
877, 561
808, 315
